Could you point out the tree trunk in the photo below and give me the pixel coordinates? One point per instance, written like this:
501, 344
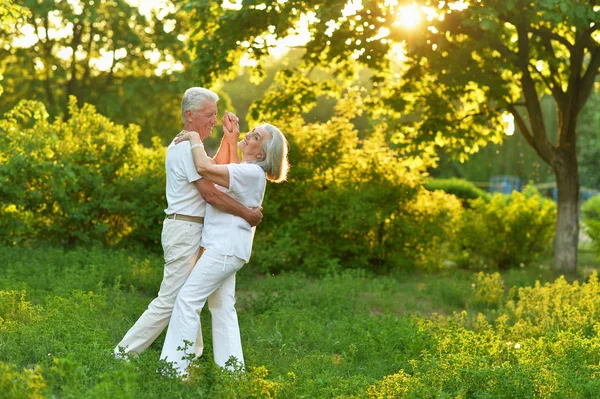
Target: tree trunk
567, 220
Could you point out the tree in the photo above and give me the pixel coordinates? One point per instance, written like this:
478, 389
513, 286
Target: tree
131, 66
468, 64
9, 15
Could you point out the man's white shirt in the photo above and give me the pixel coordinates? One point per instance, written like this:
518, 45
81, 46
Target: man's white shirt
182, 197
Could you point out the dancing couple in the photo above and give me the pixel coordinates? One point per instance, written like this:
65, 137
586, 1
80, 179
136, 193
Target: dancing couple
214, 205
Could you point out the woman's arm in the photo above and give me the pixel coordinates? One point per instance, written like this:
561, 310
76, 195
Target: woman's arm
223, 153
205, 167
233, 150
232, 134
222, 156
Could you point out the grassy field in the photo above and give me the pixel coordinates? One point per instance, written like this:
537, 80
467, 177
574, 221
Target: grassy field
346, 335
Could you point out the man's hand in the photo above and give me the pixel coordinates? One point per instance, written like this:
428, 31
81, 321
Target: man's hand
225, 203
255, 216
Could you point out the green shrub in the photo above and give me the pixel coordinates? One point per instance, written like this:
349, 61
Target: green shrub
463, 189
77, 181
350, 203
591, 219
14, 308
542, 345
551, 308
26, 384
508, 231
489, 290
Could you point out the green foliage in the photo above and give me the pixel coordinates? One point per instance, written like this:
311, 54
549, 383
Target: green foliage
131, 66
26, 384
357, 205
489, 289
445, 83
542, 345
508, 231
14, 308
81, 180
591, 218
461, 188
293, 345
348, 335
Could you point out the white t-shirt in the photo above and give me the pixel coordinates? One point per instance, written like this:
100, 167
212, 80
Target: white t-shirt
231, 235
182, 195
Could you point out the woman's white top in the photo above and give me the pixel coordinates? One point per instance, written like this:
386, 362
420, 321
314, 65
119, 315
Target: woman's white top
231, 235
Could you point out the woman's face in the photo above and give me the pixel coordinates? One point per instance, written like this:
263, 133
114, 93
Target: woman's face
252, 144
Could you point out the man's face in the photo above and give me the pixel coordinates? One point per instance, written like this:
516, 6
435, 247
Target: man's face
203, 120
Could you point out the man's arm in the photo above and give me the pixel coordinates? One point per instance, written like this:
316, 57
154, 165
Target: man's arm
225, 203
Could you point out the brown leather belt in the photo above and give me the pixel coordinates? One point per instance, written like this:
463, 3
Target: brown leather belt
195, 219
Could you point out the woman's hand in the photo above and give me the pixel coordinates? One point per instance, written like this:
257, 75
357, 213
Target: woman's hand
226, 120
185, 135
231, 129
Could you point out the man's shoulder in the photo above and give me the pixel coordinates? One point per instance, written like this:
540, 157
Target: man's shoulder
176, 150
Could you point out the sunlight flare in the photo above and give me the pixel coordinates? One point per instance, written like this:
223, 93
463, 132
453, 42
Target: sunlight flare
509, 121
408, 17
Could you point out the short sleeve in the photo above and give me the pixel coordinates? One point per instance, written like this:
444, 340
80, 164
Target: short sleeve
188, 166
244, 177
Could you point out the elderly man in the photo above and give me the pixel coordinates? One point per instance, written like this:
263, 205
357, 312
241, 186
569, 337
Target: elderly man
187, 194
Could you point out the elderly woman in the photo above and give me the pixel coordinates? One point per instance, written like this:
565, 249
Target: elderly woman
227, 239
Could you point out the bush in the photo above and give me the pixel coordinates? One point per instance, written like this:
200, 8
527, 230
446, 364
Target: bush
542, 345
350, 203
26, 384
489, 290
507, 231
14, 308
463, 189
77, 181
591, 219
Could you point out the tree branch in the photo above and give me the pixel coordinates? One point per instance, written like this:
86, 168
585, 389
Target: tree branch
556, 87
75, 42
47, 45
87, 67
547, 34
550, 83
522, 125
532, 102
587, 81
568, 118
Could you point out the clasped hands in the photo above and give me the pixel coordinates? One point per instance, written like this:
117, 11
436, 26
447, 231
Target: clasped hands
231, 127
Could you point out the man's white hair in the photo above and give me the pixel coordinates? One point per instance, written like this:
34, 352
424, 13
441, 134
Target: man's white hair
194, 98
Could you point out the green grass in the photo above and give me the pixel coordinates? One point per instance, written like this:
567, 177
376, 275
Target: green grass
329, 337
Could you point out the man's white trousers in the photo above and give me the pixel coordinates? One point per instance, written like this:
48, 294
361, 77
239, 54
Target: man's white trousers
181, 246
